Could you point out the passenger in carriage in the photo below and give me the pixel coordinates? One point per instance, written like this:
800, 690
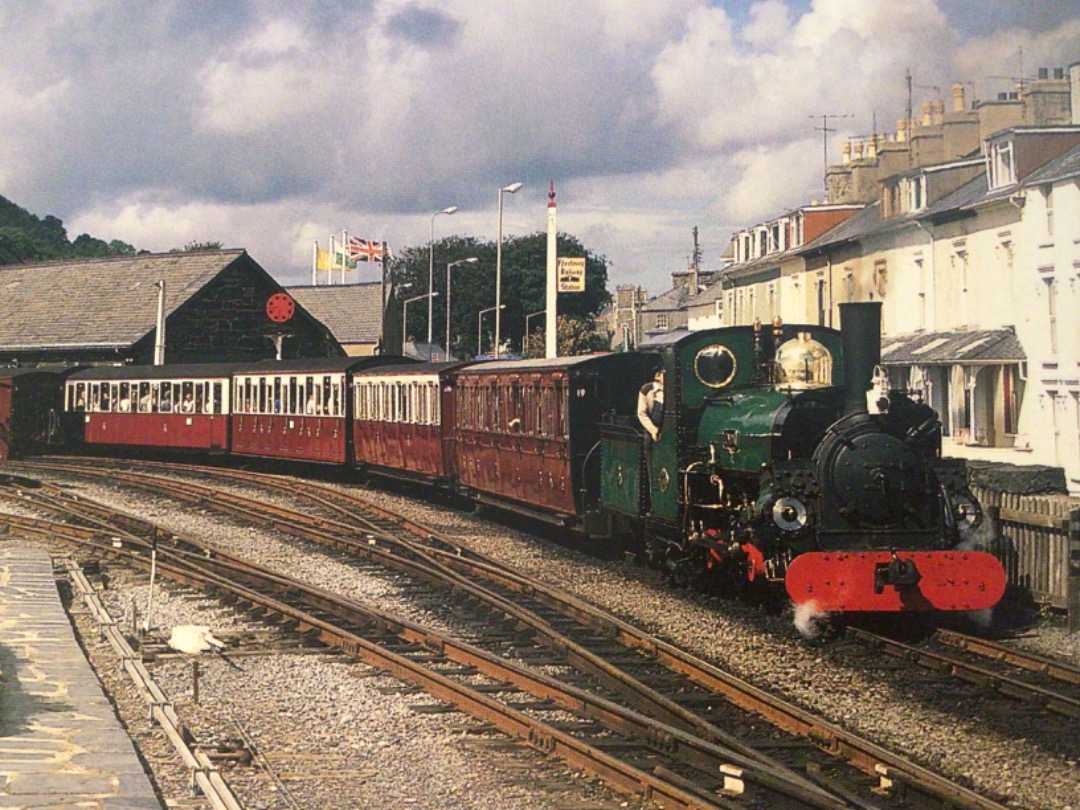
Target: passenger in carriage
187, 405
144, 402
125, 404
166, 402
312, 407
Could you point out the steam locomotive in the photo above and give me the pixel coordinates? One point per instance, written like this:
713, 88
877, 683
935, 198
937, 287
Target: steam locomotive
782, 457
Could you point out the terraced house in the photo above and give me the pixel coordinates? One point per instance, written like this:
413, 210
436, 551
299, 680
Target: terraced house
974, 252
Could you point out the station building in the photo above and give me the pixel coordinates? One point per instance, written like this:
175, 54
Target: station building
217, 308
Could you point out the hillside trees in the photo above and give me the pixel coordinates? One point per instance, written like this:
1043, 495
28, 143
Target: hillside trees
25, 238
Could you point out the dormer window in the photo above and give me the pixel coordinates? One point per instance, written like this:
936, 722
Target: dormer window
1000, 165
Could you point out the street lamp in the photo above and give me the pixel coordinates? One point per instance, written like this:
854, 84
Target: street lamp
525, 340
479, 325
510, 189
449, 267
431, 268
405, 313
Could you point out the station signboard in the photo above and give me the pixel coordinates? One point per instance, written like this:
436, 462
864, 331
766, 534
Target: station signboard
571, 273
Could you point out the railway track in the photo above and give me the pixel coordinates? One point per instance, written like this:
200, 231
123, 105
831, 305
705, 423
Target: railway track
1004, 670
630, 752
690, 697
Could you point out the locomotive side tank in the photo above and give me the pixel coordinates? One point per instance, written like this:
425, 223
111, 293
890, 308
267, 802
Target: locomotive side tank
785, 458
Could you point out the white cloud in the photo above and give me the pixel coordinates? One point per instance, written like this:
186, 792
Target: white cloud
266, 125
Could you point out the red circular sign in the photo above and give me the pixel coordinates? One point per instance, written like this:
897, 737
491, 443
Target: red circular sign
280, 308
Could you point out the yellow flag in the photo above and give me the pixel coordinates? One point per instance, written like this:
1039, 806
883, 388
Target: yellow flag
322, 259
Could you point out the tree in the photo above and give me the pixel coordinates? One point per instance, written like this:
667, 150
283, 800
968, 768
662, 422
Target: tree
524, 269
26, 238
195, 246
573, 336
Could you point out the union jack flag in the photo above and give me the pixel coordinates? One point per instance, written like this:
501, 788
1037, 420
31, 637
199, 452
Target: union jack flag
365, 250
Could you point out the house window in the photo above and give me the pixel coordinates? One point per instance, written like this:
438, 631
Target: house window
821, 302
1049, 194
1051, 312
920, 269
662, 321
918, 193
1000, 162
772, 301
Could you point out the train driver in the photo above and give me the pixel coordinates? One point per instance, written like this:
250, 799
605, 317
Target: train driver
650, 407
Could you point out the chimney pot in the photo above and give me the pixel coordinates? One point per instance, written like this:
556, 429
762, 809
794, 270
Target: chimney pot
958, 100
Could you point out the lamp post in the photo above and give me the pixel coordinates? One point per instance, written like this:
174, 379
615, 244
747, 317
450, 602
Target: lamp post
510, 189
431, 270
525, 340
405, 311
480, 324
449, 267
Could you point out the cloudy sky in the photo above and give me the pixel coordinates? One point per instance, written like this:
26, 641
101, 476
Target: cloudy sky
268, 125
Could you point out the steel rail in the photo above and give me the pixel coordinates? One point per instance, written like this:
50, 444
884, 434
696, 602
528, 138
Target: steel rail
980, 676
1022, 659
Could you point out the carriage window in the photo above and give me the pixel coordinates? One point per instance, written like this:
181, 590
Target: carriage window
142, 397
322, 394
201, 400
214, 402
187, 398
80, 397
561, 406
164, 397
436, 403
513, 409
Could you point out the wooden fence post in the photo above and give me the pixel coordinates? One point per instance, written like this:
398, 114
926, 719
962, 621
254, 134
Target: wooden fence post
1074, 571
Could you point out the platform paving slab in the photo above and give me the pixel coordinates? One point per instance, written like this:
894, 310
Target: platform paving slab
61, 743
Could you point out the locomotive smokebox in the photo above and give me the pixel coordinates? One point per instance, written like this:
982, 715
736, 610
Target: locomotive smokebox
861, 333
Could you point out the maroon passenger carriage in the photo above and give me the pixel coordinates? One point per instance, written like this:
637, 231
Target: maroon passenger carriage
526, 429
183, 407
296, 409
403, 420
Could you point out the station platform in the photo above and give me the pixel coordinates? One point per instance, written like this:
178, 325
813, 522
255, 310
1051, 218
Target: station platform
61, 744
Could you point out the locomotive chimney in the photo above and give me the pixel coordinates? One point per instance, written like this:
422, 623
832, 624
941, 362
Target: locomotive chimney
861, 335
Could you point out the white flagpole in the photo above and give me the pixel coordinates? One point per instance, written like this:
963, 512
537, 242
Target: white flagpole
315, 263
330, 267
344, 253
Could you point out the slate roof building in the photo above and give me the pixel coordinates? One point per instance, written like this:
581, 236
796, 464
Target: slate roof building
105, 311
352, 313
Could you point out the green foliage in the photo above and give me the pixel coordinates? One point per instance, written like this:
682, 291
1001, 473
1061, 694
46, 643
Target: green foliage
197, 247
524, 272
25, 238
573, 336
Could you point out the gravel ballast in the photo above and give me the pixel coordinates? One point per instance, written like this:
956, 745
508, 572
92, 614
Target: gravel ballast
337, 706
